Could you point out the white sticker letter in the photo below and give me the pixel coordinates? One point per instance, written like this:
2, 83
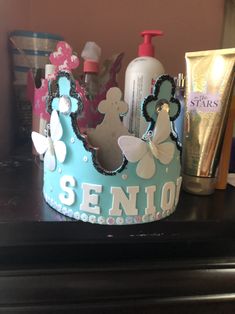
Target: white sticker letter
68, 198
178, 186
90, 201
168, 196
150, 191
120, 198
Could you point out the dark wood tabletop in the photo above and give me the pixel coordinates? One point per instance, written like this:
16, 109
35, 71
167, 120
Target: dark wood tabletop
53, 264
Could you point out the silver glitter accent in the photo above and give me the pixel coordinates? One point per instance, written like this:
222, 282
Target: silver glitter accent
64, 210
124, 176
59, 207
76, 215
145, 218
129, 220
65, 105
84, 217
119, 220
70, 213
101, 220
72, 140
92, 219
151, 217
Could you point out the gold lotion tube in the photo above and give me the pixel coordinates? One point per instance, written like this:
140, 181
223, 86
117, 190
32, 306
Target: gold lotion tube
209, 83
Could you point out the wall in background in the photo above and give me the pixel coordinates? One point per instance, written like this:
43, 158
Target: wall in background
229, 32
229, 25
13, 15
115, 26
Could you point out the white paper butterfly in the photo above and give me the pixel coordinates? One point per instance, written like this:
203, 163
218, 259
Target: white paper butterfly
51, 145
143, 152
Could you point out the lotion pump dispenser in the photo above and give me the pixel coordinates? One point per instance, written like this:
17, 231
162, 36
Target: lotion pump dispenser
140, 78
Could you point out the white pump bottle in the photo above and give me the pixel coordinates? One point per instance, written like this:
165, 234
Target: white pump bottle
140, 78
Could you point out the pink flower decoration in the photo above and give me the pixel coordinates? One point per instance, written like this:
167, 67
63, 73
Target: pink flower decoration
110, 221
63, 58
158, 216
138, 219
40, 98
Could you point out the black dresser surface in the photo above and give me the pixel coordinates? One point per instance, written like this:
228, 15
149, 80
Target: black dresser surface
51, 264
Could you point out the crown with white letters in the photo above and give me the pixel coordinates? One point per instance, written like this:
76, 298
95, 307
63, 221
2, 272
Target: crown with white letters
103, 174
